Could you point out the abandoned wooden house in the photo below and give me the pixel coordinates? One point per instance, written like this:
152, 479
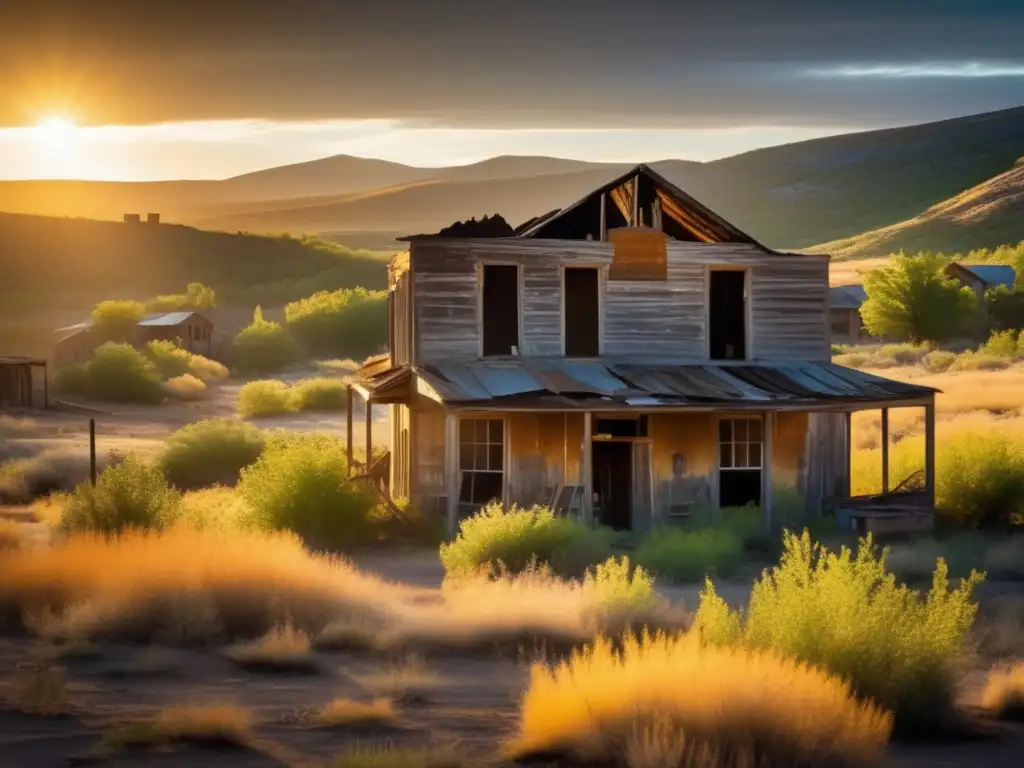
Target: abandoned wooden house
627, 359
191, 330
24, 383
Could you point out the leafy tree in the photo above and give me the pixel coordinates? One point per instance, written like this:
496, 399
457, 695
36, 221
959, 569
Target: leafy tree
913, 298
343, 322
1005, 308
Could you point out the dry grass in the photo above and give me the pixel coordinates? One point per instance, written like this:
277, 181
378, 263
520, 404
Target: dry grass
406, 681
213, 725
183, 586
12, 535
51, 469
398, 757
669, 702
283, 649
11, 426
1004, 693
42, 690
348, 712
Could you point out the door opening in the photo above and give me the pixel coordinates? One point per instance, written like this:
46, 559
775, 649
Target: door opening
613, 484
727, 315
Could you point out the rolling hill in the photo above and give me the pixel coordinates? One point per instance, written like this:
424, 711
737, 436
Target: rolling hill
987, 215
790, 196
52, 263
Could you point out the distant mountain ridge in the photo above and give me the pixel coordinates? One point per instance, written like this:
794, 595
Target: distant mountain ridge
790, 196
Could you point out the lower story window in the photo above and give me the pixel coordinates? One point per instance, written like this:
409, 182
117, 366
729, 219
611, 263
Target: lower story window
481, 460
740, 454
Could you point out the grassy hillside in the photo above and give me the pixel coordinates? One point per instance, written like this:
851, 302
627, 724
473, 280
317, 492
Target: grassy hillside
985, 216
71, 263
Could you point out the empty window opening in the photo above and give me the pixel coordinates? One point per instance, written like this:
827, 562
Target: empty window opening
727, 315
622, 427
481, 461
500, 309
582, 312
740, 454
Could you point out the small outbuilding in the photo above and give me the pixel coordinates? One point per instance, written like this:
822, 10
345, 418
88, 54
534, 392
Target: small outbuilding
23, 382
844, 303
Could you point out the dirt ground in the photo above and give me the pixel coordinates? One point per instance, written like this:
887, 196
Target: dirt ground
465, 703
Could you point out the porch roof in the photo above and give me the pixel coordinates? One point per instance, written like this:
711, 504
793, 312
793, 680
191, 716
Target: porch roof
558, 383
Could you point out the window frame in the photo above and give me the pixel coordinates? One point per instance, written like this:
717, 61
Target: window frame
733, 443
480, 271
748, 313
503, 472
602, 278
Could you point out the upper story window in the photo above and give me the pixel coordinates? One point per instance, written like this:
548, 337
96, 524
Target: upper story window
582, 312
500, 309
727, 315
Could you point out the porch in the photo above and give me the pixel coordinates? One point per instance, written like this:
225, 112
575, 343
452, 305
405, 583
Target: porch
636, 459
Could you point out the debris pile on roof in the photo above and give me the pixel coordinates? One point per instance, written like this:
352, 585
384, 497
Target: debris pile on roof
488, 226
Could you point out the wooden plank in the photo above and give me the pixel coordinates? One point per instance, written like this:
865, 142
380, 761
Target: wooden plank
885, 450
451, 471
929, 452
369, 433
350, 401
586, 467
767, 454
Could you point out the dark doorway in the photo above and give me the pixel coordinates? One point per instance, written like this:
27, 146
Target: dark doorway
500, 308
582, 312
727, 315
613, 484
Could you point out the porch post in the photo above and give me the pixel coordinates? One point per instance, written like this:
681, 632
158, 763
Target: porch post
885, 450
766, 470
586, 464
350, 401
369, 433
847, 480
929, 451
451, 470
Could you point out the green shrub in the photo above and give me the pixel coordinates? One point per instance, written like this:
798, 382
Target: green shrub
128, 495
120, 373
844, 612
683, 555
979, 477
348, 321
319, 395
217, 508
210, 452
979, 361
852, 359
72, 380
302, 485
205, 369
890, 355
263, 346
515, 539
1001, 344
117, 318
939, 361
266, 397
170, 359
196, 296
186, 388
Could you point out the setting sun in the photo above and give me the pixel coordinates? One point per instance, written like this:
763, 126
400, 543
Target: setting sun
56, 133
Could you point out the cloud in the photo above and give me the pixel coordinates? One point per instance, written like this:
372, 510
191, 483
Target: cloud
966, 69
509, 63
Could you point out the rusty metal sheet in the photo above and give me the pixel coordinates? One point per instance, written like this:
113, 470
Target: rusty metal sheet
595, 375
557, 381
691, 382
833, 385
772, 381
502, 381
864, 386
747, 392
461, 376
448, 391
886, 385
643, 378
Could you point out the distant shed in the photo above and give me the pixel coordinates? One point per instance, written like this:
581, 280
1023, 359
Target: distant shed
20, 387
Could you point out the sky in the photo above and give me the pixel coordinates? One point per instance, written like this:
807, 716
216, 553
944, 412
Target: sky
109, 89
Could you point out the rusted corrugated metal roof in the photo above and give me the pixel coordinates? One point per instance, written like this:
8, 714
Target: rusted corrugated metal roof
483, 381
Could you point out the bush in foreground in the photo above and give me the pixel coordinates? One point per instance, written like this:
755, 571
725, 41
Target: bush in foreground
263, 398
128, 495
515, 539
263, 346
210, 452
302, 485
669, 702
845, 613
181, 586
683, 555
1004, 693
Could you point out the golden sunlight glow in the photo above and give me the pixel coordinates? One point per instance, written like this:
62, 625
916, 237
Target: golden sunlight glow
56, 134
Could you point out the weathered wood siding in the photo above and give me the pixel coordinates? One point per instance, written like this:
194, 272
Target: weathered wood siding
400, 320
401, 451
650, 320
544, 451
